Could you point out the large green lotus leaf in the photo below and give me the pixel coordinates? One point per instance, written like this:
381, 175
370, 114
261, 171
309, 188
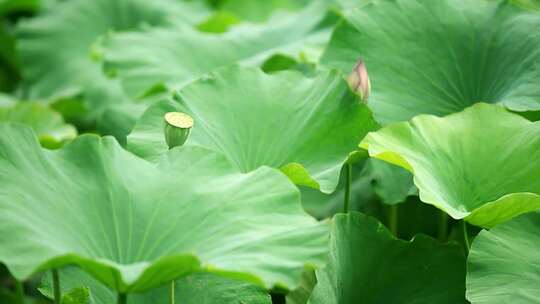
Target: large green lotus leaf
144, 223
482, 164
367, 263
199, 288
48, 125
58, 48
305, 126
439, 57
504, 263
178, 55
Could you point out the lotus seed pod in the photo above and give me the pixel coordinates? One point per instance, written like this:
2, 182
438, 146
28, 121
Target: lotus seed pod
359, 81
177, 128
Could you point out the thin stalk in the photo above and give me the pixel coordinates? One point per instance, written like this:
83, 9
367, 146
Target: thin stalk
56, 287
19, 288
465, 236
348, 182
443, 226
393, 219
171, 292
122, 298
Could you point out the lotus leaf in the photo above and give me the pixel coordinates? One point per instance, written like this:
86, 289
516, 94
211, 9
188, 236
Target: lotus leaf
504, 263
305, 126
482, 164
439, 57
145, 223
368, 264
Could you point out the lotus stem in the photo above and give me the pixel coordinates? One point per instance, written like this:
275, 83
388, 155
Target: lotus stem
122, 298
465, 236
443, 226
171, 292
177, 128
19, 288
393, 219
348, 182
56, 287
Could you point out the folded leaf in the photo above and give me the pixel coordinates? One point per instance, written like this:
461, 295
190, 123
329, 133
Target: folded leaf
482, 164
134, 225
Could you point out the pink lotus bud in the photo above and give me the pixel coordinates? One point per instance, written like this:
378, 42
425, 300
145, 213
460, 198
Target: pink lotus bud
359, 81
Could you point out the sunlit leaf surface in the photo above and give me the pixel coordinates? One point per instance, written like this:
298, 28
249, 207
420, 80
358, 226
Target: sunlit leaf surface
134, 225
305, 126
482, 164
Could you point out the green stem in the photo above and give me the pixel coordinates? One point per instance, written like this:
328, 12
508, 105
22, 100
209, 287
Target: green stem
443, 226
348, 181
465, 236
56, 287
122, 298
19, 288
171, 292
393, 219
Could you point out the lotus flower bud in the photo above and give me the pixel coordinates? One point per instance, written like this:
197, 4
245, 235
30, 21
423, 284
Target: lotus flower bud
177, 128
359, 81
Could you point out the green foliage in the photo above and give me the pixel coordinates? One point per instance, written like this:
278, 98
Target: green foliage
134, 214
366, 262
305, 127
439, 57
482, 164
71, 33
79, 295
199, 288
48, 125
504, 263
163, 58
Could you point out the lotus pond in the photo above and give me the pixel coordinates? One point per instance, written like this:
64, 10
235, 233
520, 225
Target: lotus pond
269, 151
